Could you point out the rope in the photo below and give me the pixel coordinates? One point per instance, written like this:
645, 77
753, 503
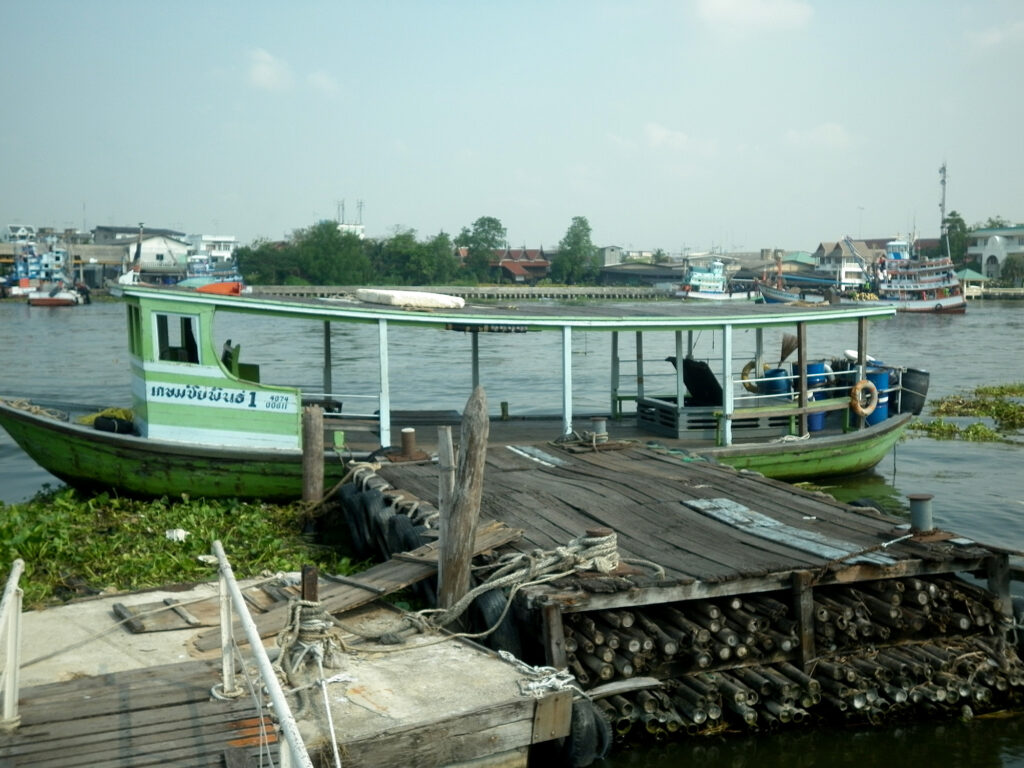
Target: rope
307, 634
792, 438
543, 679
517, 571
38, 410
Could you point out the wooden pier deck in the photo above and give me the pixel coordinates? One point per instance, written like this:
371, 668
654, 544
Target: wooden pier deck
738, 601
158, 716
688, 516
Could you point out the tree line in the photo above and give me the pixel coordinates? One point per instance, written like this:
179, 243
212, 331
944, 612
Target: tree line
324, 255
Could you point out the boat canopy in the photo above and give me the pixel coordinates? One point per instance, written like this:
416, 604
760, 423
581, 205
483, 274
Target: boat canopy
539, 316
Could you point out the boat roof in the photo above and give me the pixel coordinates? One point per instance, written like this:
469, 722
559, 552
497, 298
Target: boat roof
531, 315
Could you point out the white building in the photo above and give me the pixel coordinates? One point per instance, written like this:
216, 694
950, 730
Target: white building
20, 233
991, 247
159, 255
218, 249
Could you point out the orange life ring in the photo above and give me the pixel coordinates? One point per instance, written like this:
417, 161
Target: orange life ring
859, 406
748, 369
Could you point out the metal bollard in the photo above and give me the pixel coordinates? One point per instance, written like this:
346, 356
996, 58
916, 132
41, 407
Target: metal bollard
921, 512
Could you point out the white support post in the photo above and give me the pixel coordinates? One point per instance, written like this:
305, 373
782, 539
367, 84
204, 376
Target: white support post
292, 748
566, 380
728, 397
384, 402
227, 639
10, 621
680, 379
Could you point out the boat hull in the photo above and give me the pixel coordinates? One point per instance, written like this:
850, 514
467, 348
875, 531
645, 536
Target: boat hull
95, 460
50, 299
823, 456
945, 305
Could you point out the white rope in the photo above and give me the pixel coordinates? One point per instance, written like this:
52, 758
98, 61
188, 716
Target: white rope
792, 438
330, 717
543, 679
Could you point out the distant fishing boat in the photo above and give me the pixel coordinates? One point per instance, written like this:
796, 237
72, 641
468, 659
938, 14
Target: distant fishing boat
712, 284
909, 283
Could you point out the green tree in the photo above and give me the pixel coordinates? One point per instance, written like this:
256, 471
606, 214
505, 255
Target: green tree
326, 256
481, 241
266, 263
956, 232
436, 263
993, 222
577, 259
393, 257
660, 257
1012, 269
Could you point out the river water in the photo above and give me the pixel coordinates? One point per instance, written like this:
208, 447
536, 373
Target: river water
79, 355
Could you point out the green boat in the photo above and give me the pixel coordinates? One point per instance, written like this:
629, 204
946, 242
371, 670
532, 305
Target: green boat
202, 422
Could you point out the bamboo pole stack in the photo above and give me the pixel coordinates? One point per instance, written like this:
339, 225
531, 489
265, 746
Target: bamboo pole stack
887, 649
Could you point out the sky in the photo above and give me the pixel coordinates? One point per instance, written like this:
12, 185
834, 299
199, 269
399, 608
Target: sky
685, 125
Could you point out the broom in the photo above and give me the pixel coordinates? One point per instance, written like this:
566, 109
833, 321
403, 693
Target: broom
789, 345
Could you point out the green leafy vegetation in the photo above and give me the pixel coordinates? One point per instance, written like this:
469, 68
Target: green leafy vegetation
74, 544
1000, 403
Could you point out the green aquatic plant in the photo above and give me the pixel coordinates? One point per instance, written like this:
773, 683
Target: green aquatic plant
980, 433
938, 429
998, 402
74, 544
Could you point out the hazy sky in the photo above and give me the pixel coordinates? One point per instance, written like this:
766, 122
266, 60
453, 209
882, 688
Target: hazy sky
693, 124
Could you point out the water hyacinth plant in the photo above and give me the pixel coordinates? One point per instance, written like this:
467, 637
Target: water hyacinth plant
1003, 404
74, 544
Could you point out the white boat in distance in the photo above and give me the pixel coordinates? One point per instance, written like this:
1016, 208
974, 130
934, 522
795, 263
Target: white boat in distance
710, 283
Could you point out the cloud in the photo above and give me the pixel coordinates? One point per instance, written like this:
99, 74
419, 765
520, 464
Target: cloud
267, 72
994, 37
322, 82
823, 136
658, 136
779, 14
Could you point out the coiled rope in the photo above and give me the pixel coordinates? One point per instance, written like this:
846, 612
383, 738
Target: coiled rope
37, 410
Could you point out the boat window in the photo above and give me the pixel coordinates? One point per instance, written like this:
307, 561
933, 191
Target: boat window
134, 330
176, 337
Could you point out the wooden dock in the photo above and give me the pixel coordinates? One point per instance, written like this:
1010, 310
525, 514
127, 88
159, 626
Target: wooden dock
748, 602
440, 697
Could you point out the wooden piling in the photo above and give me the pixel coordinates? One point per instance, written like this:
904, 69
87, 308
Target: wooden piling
312, 453
458, 520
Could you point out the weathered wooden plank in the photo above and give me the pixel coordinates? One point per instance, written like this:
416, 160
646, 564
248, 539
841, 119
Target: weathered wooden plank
741, 517
444, 741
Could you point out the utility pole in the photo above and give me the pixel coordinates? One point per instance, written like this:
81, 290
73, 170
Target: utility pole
943, 230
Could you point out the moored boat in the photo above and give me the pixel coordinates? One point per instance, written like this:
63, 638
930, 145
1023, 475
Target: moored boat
712, 284
910, 283
58, 294
204, 422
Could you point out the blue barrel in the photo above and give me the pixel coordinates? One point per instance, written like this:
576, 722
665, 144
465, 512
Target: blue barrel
816, 379
776, 382
880, 378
